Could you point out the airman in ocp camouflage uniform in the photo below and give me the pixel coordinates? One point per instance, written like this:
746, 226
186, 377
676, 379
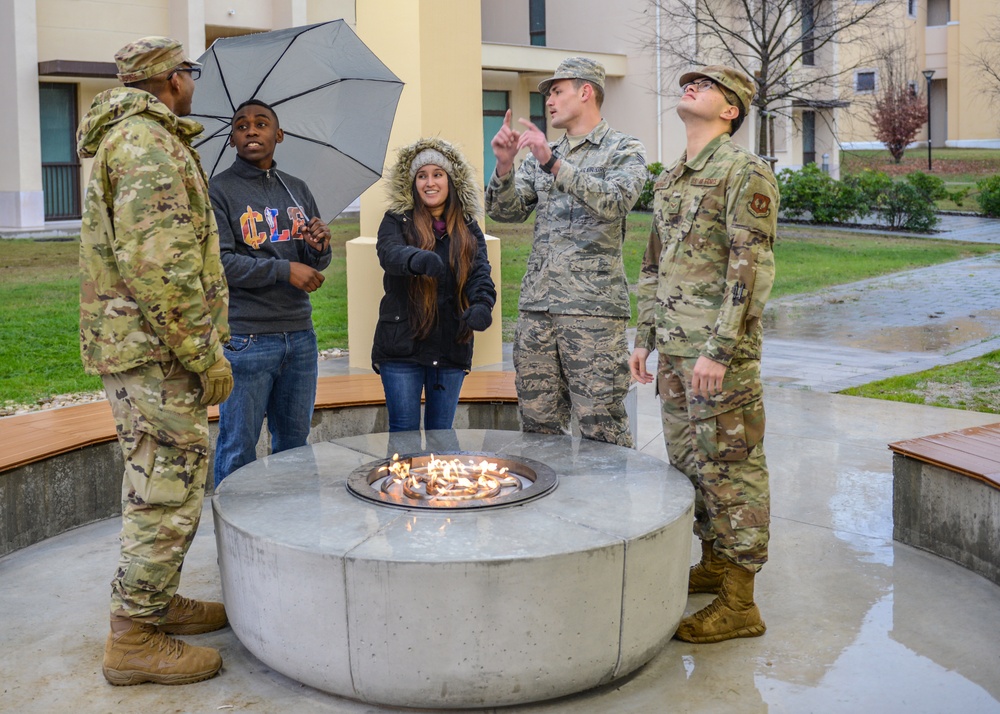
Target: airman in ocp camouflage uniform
153, 302
570, 348
706, 276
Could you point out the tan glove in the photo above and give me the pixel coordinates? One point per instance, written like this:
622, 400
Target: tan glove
216, 382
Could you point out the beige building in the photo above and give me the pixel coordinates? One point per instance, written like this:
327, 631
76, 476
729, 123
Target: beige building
940, 36
476, 58
58, 54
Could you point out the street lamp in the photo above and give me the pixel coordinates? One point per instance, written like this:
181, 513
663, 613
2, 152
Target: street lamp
928, 73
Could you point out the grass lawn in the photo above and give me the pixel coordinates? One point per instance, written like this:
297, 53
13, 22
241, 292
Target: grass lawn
39, 287
973, 385
960, 168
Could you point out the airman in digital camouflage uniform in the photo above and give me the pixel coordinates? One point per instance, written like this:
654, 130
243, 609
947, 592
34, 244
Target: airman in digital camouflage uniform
570, 348
706, 275
153, 302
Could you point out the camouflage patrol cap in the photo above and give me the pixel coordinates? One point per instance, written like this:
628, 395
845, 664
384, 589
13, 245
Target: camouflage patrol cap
149, 56
576, 68
732, 79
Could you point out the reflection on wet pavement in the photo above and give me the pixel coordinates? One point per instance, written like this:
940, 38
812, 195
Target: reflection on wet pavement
936, 309
896, 324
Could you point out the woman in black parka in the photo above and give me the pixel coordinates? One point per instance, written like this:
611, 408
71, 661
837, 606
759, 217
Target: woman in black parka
438, 288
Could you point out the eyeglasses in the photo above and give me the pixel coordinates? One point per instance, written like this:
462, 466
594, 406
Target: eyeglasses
195, 72
701, 85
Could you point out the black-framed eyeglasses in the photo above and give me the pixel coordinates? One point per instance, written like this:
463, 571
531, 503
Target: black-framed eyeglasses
701, 85
195, 72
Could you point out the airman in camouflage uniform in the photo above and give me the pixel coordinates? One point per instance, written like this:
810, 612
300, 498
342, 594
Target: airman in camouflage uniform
153, 302
570, 348
706, 276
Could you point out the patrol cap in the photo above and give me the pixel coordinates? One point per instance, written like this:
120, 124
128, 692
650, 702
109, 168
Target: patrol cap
732, 79
575, 68
149, 56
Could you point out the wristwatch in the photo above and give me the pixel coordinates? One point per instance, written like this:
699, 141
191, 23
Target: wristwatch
547, 166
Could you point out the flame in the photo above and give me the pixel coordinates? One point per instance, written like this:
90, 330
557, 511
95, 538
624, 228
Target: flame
447, 480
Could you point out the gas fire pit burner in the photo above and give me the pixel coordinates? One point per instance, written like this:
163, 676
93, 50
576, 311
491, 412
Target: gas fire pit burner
455, 480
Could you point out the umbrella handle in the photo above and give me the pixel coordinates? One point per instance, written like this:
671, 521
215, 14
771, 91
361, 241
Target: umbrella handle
292, 196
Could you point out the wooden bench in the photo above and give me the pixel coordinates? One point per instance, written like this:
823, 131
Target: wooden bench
946, 496
61, 468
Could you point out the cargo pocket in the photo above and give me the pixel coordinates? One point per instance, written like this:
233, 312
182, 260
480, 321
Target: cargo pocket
733, 434
160, 474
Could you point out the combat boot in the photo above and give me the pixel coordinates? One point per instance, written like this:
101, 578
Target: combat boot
732, 614
137, 652
706, 576
193, 617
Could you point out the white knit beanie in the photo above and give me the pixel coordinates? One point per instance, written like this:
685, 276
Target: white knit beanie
430, 156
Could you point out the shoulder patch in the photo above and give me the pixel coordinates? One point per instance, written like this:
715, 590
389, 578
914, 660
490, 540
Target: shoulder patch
759, 205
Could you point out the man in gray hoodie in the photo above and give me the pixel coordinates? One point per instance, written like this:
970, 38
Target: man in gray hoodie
273, 247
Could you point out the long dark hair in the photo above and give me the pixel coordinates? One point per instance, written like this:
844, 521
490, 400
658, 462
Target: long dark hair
423, 290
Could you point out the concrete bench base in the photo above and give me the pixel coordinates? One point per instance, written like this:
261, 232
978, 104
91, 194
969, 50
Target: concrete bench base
947, 513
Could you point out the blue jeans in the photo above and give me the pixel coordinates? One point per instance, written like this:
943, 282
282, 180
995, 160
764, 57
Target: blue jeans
273, 374
404, 381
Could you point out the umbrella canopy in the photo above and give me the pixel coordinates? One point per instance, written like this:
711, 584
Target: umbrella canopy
334, 98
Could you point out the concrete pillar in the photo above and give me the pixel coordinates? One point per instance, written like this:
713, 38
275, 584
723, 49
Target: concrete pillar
289, 13
435, 47
22, 204
187, 25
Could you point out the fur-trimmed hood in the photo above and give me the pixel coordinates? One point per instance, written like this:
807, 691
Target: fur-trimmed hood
399, 188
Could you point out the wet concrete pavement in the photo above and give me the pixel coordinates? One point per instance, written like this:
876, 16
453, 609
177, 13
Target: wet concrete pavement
897, 324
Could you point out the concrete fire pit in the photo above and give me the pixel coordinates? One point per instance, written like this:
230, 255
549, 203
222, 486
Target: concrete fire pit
457, 608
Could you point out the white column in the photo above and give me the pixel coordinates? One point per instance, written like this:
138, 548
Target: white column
289, 13
187, 25
21, 201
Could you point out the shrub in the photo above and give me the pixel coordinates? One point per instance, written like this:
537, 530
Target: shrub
811, 191
645, 202
933, 187
868, 186
989, 195
905, 206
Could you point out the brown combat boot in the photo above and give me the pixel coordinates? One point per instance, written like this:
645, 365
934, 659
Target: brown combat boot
193, 617
733, 614
137, 652
706, 576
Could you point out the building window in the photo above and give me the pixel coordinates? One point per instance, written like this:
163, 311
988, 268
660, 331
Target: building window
60, 165
864, 81
495, 105
938, 13
808, 137
536, 22
538, 112
808, 32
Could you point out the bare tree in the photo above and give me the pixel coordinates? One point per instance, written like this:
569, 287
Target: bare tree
898, 111
786, 45
985, 58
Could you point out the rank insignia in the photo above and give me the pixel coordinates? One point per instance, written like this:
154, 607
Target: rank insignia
760, 205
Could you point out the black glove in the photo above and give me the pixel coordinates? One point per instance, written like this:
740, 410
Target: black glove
427, 262
478, 316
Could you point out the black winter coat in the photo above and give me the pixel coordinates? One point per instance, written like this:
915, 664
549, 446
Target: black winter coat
394, 340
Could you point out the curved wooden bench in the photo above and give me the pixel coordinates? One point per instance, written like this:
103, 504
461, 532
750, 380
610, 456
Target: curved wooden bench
61, 468
946, 496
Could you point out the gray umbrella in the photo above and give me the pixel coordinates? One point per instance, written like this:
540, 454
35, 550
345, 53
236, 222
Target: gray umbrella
334, 98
